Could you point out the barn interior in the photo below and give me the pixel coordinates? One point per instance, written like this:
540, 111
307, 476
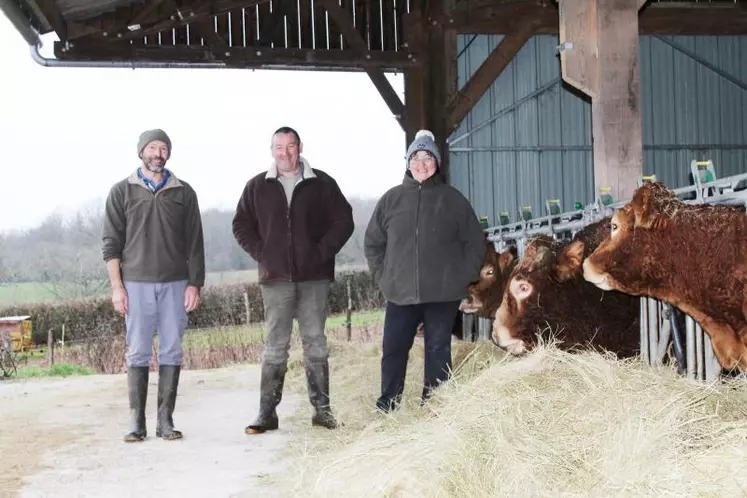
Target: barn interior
531, 100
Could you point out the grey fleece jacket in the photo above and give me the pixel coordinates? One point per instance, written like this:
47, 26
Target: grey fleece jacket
157, 237
424, 243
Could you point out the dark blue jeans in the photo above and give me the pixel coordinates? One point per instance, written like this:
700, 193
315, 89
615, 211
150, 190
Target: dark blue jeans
400, 326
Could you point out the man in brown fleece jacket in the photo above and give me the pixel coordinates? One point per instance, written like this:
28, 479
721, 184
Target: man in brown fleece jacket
293, 220
153, 247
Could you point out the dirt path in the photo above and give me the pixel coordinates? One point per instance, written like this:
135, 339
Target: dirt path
63, 438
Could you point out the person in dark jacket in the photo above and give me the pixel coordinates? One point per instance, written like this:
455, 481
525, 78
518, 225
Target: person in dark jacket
293, 220
424, 245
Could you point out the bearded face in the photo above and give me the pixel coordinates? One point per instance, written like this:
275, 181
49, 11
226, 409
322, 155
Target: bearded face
155, 155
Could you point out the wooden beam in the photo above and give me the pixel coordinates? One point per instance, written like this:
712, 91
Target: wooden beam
238, 57
147, 11
660, 18
51, 15
345, 24
599, 56
578, 42
486, 74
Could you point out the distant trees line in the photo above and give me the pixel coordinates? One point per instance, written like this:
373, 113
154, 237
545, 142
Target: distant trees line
63, 253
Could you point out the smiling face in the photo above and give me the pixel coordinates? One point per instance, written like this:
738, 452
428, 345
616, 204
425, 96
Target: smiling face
422, 165
154, 156
286, 151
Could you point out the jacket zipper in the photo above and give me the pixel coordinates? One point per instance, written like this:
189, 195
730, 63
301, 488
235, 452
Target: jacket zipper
290, 231
417, 246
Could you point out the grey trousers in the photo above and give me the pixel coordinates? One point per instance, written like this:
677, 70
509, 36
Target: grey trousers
151, 307
305, 301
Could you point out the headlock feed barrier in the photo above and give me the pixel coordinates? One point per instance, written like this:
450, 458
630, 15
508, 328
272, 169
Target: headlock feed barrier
661, 324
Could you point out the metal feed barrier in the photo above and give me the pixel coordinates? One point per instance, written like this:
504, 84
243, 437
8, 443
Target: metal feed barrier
661, 324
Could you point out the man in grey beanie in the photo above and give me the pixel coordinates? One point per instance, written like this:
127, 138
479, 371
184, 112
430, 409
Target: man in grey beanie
152, 244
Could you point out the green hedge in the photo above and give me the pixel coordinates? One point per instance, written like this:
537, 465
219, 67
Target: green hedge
221, 305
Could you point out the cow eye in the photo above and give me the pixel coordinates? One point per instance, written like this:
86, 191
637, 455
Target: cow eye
613, 226
524, 288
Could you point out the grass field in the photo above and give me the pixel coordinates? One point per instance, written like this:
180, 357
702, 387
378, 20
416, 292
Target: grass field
37, 292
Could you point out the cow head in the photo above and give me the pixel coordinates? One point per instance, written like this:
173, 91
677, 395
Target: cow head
547, 289
485, 295
625, 260
524, 290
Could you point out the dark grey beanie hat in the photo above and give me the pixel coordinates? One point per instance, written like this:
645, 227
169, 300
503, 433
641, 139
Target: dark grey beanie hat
148, 136
424, 140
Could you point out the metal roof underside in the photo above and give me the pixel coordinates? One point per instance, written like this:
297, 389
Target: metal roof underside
77, 10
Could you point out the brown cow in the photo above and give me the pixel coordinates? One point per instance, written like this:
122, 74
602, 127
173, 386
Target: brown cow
691, 256
546, 290
485, 296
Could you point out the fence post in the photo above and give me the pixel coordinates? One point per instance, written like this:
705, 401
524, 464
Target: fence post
349, 313
247, 308
50, 347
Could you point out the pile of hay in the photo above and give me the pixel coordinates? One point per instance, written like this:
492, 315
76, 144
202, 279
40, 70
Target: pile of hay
549, 424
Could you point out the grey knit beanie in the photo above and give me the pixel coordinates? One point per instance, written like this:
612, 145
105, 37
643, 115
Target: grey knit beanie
148, 136
424, 140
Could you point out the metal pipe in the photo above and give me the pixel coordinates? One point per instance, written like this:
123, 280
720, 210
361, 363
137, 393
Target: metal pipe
665, 333
691, 360
20, 21
677, 338
712, 366
644, 325
593, 212
698, 351
653, 329
46, 62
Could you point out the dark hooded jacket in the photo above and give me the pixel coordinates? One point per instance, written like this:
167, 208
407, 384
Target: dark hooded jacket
424, 242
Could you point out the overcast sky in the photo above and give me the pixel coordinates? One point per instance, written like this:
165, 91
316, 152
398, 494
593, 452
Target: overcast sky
68, 134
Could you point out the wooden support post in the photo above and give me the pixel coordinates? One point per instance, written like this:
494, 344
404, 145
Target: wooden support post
247, 308
599, 56
50, 347
416, 77
349, 311
439, 89
433, 80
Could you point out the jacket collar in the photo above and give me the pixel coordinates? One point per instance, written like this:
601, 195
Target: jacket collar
306, 171
433, 181
172, 182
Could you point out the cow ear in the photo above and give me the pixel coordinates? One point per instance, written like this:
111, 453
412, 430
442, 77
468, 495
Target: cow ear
644, 211
506, 258
569, 261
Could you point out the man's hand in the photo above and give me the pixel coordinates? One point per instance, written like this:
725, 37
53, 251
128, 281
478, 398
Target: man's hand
119, 299
191, 298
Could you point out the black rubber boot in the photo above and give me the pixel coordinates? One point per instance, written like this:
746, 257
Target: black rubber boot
137, 384
317, 377
270, 394
168, 381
